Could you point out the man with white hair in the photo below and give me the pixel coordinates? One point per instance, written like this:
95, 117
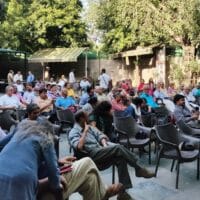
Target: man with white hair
9, 101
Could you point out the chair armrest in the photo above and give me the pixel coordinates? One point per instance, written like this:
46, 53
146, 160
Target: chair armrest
67, 122
175, 146
122, 133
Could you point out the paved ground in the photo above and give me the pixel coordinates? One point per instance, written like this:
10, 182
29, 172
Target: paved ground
160, 188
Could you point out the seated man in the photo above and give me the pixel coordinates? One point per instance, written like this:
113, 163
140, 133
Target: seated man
82, 176
9, 101
87, 138
64, 101
86, 96
181, 112
45, 104
29, 95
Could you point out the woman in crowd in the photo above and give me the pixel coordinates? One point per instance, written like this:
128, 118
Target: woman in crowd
151, 86
20, 159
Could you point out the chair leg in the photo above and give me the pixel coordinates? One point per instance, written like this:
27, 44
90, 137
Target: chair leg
150, 153
198, 168
172, 166
177, 175
157, 164
113, 174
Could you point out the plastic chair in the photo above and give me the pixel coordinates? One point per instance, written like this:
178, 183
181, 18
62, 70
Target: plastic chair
162, 115
168, 137
66, 120
127, 128
6, 120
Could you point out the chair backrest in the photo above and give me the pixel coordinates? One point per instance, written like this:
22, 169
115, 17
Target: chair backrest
162, 115
65, 115
167, 132
148, 120
127, 125
6, 120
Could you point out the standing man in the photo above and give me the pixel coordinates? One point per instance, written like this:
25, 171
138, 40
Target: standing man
18, 76
10, 77
104, 80
30, 77
72, 78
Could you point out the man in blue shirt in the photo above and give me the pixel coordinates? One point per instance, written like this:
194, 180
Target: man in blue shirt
86, 96
64, 101
30, 77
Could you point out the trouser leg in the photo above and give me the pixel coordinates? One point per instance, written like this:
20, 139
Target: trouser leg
85, 179
120, 156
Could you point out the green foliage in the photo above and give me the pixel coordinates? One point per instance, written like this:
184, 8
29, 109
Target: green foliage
127, 24
177, 74
33, 24
193, 66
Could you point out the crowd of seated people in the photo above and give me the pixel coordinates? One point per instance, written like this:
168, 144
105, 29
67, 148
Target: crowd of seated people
93, 131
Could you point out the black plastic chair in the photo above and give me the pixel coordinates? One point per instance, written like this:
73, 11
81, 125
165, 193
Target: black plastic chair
6, 120
162, 115
127, 128
66, 120
168, 137
148, 120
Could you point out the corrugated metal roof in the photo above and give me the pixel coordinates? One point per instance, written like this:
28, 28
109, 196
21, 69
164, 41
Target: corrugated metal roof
56, 55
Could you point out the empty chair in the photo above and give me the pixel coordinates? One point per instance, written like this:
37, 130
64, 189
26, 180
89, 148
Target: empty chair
65, 118
162, 115
127, 128
148, 120
168, 137
6, 120
20, 114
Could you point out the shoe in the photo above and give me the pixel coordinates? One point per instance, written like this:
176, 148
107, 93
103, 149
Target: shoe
113, 190
125, 196
142, 172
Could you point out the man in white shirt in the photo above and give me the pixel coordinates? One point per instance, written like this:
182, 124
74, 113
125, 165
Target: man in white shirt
9, 101
84, 84
29, 95
20, 87
104, 80
72, 78
18, 76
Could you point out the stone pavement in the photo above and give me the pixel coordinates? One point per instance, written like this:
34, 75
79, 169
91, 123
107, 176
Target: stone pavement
160, 188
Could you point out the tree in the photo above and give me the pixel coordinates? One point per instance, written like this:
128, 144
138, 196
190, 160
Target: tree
127, 24
33, 24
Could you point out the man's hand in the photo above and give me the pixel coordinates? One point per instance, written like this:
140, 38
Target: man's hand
104, 142
63, 183
195, 116
86, 128
67, 160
